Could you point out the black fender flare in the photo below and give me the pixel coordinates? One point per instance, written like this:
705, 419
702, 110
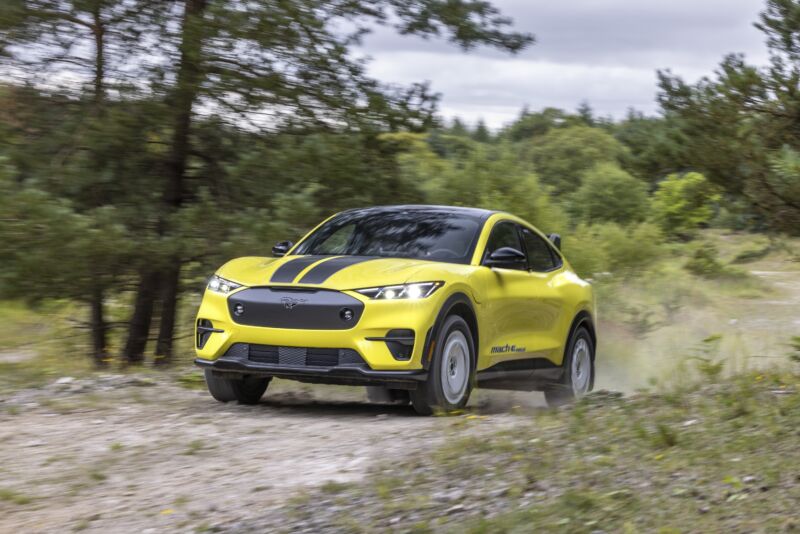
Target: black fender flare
462, 305
582, 318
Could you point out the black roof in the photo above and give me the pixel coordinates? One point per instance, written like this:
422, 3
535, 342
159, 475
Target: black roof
477, 213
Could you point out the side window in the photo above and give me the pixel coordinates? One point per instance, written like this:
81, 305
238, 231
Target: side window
503, 234
540, 257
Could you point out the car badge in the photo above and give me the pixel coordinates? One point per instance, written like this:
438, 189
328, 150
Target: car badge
289, 302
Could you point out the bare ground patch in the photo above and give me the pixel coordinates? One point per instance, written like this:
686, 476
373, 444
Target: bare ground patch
151, 455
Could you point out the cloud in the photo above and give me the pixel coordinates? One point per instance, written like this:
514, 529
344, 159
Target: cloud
602, 51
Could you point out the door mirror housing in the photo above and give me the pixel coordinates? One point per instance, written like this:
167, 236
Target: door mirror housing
506, 258
556, 240
281, 248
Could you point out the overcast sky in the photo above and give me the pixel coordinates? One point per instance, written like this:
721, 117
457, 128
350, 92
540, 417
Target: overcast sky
603, 51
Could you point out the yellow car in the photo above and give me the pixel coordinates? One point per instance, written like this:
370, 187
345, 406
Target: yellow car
419, 303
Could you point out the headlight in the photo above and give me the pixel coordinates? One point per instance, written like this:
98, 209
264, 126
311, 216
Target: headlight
220, 285
405, 291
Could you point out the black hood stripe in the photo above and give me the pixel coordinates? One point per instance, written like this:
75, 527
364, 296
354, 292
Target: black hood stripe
323, 271
286, 273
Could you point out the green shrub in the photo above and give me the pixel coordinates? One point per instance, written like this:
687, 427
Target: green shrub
735, 214
640, 320
618, 250
704, 261
683, 203
707, 359
794, 344
609, 194
752, 254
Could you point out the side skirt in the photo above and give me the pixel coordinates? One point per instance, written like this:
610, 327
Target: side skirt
529, 374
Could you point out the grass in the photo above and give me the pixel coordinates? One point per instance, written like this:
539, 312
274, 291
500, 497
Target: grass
191, 380
333, 487
13, 497
41, 344
27, 325
97, 475
718, 473
710, 456
195, 447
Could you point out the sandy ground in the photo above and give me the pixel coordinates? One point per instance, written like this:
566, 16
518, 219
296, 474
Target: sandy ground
153, 457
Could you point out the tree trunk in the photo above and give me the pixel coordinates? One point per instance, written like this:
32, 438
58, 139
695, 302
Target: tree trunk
97, 321
187, 86
98, 30
139, 325
99, 328
169, 287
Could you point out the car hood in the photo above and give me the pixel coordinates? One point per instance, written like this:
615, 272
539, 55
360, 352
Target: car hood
331, 272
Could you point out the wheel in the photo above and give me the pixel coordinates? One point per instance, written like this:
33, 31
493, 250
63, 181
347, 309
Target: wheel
578, 377
245, 390
450, 375
384, 395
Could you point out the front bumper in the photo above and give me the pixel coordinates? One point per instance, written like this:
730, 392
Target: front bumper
367, 337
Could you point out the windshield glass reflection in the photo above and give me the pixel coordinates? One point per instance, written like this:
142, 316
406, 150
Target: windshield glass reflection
417, 234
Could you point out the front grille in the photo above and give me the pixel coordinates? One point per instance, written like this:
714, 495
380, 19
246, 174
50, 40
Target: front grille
292, 308
260, 353
322, 357
292, 356
295, 356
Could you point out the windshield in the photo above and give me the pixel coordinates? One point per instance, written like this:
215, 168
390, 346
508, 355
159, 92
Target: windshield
425, 235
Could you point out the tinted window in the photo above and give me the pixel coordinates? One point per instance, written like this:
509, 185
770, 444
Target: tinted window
504, 234
419, 234
540, 258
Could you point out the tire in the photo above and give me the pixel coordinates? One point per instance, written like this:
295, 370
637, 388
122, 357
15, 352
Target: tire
244, 390
384, 395
451, 372
579, 371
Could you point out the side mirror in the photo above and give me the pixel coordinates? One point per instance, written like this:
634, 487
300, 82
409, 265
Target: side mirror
556, 240
281, 248
506, 258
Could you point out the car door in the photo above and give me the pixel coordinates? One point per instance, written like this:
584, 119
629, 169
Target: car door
545, 302
508, 292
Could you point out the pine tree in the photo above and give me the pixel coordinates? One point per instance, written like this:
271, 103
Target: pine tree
737, 123
482, 133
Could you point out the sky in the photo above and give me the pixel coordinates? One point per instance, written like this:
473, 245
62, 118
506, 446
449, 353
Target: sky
605, 52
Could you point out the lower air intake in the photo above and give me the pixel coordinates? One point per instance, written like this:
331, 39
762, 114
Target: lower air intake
295, 356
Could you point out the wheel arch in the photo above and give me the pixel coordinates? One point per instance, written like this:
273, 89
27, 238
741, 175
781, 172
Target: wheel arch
456, 304
583, 318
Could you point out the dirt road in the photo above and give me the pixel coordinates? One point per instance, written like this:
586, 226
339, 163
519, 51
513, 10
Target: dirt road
134, 455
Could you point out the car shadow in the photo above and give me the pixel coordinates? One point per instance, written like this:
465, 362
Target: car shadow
329, 408
302, 405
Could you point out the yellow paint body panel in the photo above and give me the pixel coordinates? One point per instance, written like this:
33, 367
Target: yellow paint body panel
526, 309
